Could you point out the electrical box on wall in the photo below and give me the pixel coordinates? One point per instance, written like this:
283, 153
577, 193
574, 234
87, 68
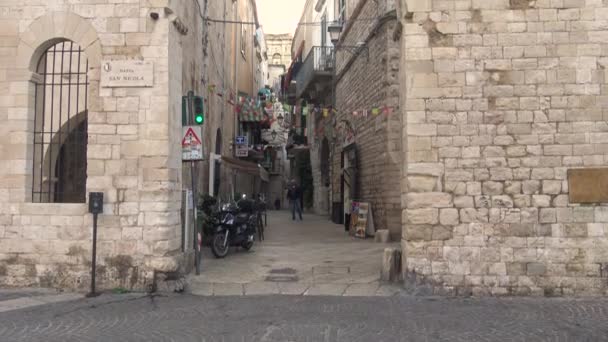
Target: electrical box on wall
96, 202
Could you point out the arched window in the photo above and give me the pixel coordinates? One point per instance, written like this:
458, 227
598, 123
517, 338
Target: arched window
276, 58
60, 125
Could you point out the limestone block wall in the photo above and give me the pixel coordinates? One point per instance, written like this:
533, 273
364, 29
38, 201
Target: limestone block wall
502, 99
371, 81
321, 199
131, 154
218, 56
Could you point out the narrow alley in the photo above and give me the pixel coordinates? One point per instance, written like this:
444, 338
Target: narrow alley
450, 157
311, 257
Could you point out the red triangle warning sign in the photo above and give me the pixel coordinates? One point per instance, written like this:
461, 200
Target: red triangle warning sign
190, 138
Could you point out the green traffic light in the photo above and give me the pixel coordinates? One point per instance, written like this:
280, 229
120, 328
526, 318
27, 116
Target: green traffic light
199, 119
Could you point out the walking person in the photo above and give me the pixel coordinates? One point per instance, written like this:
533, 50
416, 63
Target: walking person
294, 194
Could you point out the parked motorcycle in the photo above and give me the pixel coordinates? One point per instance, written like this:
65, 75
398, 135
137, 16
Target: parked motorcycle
236, 227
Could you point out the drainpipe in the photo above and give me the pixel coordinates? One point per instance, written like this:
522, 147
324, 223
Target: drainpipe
236, 71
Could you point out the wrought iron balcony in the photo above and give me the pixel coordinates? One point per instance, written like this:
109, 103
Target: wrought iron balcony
316, 71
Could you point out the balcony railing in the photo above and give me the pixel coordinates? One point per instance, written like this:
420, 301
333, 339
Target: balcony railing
318, 64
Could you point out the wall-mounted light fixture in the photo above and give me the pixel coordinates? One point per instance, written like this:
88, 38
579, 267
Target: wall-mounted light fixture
179, 25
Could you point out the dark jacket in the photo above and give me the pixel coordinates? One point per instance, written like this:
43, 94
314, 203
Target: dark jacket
294, 193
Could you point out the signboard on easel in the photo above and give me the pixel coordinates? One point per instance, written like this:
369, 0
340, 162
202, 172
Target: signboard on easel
362, 220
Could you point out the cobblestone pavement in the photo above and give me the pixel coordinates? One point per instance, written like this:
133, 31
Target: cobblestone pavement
310, 257
308, 318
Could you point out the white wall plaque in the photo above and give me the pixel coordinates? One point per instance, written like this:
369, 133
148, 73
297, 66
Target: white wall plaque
127, 73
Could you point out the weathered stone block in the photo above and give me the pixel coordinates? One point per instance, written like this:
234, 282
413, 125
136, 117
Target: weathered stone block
442, 233
391, 265
417, 232
492, 188
449, 217
423, 216
422, 183
428, 200
382, 236
535, 269
548, 215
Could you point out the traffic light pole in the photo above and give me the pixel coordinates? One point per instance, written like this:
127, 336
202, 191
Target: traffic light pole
197, 261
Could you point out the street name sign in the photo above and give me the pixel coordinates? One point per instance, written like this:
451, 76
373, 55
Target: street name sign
127, 73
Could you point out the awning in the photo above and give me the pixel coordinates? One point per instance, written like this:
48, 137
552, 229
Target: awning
246, 167
250, 111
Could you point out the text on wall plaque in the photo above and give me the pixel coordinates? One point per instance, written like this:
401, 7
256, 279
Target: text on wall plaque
127, 73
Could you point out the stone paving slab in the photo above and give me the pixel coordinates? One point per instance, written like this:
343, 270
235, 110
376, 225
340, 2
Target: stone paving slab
312, 257
293, 288
202, 289
326, 290
364, 290
13, 293
261, 288
228, 289
389, 290
19, 299
296, 288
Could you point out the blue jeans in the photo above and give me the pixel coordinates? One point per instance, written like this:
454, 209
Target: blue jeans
296, 206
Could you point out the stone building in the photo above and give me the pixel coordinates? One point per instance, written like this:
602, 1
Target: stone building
235, 59
92, 101
311, 71
500, 110
279, 58
279, 49
366, 143
501, 101
363, 74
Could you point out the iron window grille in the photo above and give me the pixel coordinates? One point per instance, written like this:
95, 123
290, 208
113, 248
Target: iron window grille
60, 125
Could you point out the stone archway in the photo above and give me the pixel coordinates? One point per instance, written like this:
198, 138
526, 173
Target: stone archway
52, 28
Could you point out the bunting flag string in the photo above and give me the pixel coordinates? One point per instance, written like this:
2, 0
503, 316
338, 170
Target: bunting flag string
252, 108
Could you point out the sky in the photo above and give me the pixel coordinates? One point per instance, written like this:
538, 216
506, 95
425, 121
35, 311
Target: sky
280, 16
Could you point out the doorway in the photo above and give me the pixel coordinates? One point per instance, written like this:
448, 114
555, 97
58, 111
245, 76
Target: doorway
349, 181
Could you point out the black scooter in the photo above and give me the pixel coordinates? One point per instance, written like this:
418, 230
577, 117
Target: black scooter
236, 227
